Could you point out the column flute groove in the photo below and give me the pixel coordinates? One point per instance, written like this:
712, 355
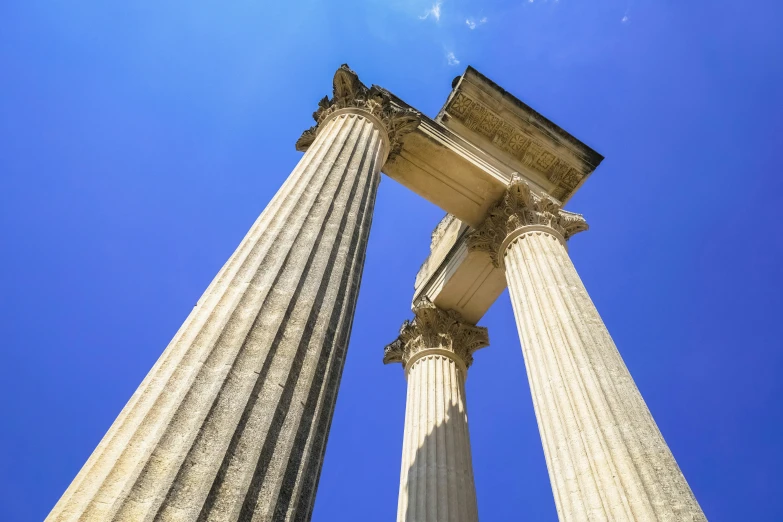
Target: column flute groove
436, 479
431, 466
312, 436
632, 458
307, 477
251, 424
456, 481
232, 420
606, 457
648, 461
564, 448
537, 368
219, 403
562, 483
602, 484
232, 328
135, 410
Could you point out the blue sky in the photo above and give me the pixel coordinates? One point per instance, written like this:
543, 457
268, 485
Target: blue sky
139, 141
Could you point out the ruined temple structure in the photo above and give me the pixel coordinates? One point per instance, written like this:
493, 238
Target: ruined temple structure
231, 422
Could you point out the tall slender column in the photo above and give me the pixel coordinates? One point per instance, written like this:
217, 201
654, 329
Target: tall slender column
436, 481
607, 459
232, 420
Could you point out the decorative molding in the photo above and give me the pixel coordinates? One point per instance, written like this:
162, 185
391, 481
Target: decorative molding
435, 238
521, 207
435, 329
349, 92
437, 234
513, 140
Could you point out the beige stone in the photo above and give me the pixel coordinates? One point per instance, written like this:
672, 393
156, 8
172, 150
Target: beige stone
455, 277
607, 460
436, 479
462, 160
231, 423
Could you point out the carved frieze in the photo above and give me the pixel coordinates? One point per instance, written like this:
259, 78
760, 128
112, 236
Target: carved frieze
433, 328
521, 207
349, 92
479, 118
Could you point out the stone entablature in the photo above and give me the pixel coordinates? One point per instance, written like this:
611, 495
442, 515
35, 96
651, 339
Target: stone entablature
463, 172
231, 423
498, 122
455, 278
521, 207
463, 271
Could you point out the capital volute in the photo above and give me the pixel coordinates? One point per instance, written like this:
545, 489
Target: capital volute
437, 331
349, 92
519, 209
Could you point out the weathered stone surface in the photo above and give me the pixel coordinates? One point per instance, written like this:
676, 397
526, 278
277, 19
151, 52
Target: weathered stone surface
518, 208
463, 159
436, 479
607, 460
506, 128
231, 423
457, 278
350, 93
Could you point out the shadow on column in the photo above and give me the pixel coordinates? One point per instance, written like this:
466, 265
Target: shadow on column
439, 485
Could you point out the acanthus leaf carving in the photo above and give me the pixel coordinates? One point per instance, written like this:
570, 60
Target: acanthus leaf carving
520, 207
434, 328
349, 92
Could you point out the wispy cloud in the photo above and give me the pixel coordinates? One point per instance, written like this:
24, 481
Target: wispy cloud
451, 59
626, 19
434, 12
472, 23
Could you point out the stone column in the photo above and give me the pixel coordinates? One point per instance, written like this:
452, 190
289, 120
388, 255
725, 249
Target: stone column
607, 459
436, 481
231, 422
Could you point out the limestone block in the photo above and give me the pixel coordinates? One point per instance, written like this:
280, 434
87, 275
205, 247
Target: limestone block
462, 160
457, 278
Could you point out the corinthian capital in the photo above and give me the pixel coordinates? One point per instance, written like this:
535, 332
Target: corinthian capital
520, 207
435, 329
349, 92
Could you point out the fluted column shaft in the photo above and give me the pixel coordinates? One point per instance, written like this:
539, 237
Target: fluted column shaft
607, 460
231, 422
436, 480
606, 457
